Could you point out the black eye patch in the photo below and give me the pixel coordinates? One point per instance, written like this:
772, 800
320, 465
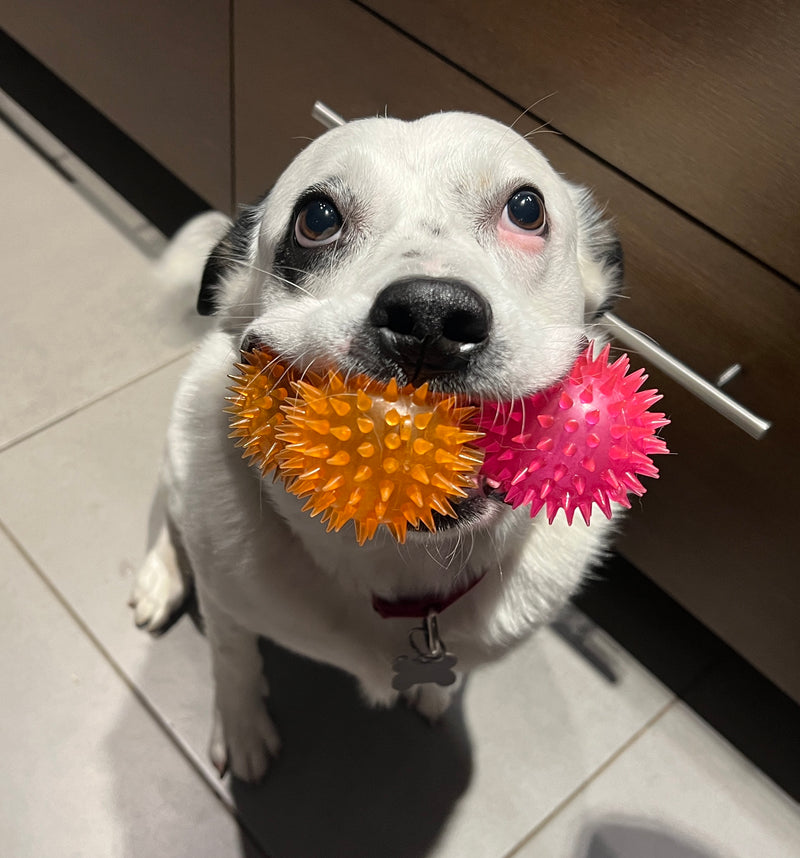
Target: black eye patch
229, 253
313, 233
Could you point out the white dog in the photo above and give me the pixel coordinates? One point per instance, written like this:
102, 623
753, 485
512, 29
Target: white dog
445, 249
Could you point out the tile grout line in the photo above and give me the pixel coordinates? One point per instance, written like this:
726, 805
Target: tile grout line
606, 764
183, 748
76, 409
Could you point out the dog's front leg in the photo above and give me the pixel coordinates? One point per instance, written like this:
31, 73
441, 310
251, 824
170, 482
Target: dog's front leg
243, 737
432, 701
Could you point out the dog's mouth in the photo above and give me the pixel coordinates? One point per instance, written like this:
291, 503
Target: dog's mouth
478, 506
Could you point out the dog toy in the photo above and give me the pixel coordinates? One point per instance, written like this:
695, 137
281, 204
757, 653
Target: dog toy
259, 391
380, 454
358, 450
581, 442
377, 454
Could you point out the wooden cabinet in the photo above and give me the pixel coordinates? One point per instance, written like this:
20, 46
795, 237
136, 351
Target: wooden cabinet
699, 101
160, 71
679, 116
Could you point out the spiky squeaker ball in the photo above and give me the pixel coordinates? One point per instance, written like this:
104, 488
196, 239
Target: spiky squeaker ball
259, 391
377, 454
358, 451
579, 443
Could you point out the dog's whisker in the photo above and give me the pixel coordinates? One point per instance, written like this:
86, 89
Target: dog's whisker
509, 129
437, 559
530, 107
498, 556
542, 129
471, 548
296, 286
293, 285
451, 556
303, 271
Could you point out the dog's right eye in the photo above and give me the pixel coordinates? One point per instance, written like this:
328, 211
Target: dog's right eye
318, 223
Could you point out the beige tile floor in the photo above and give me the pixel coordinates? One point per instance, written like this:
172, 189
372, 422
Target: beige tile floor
105, 729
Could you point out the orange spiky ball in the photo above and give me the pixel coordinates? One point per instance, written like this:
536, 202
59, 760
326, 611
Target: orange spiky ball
358, 450
377, 454
260, 390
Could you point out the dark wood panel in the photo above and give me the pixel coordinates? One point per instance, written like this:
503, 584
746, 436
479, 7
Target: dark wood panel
290, 54
699, 101
717, 532
159, 71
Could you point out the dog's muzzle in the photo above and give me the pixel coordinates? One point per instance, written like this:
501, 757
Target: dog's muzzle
427, 327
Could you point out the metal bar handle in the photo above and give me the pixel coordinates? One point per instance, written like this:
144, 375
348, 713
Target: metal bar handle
712, 396
704, 390
325, 116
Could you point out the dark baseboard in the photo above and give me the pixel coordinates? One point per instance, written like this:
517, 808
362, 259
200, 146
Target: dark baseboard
731, 695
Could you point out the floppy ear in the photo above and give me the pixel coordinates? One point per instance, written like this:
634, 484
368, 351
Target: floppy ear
233, 250
599, 255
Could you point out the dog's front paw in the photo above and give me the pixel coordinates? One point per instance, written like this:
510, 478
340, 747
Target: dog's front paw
244, 741
159, 591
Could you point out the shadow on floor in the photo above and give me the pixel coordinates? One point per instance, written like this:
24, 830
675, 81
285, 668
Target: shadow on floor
351, 782
637, 839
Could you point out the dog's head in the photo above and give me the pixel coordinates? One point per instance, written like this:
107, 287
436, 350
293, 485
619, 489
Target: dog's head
445, 250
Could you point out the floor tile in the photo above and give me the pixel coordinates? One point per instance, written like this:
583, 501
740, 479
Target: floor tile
82, 311
89, 528
86, 770
535, 725
541, 722
679, 791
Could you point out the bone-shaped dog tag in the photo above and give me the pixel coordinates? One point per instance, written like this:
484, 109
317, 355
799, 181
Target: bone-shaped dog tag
430, 661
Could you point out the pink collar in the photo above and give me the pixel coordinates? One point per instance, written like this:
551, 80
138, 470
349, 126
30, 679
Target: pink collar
420, 606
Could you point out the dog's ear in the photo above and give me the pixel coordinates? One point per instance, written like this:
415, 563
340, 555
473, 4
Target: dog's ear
232, 251
599, 255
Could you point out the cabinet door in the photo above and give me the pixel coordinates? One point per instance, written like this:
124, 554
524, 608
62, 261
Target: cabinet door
697, 100
160, 71
718, 531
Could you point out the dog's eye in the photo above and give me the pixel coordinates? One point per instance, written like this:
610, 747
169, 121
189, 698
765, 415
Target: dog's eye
318, 222
525, 210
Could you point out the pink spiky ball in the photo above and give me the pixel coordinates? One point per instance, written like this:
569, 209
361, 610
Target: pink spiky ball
583, 441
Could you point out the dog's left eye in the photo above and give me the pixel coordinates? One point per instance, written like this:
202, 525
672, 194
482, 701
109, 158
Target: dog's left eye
525, 210
318, 223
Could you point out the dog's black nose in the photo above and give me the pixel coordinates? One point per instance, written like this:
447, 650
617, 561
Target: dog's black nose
430, 326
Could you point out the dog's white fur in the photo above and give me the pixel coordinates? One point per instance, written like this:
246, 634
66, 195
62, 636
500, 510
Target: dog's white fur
263, 567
